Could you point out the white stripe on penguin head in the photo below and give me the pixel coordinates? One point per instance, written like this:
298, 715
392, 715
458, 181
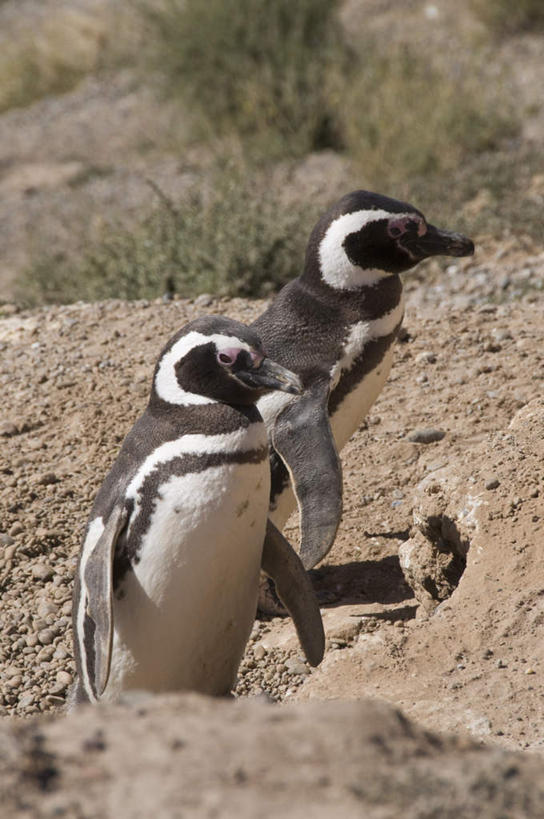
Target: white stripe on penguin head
336, 269
167, 386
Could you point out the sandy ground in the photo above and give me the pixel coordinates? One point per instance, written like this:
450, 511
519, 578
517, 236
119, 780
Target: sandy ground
74, 378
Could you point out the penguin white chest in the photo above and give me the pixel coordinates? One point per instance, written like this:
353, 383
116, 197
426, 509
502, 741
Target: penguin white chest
355, 406
183, 615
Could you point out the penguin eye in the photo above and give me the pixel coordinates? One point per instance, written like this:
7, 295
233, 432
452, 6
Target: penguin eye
224, 358
396, 227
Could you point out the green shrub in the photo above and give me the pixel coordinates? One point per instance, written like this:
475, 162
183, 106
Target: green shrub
510, 16
258, 69
403, 117
237, 237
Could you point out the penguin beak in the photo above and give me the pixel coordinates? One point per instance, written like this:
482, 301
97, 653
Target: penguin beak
437, 242
270, 376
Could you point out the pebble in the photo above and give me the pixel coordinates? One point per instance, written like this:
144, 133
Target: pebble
204, 300
296, 666
492, 483
46, 636
64, 678
425, 435
6, 540
259, 652
425, 357
16, 529
46, 479
42, 571
46, 607
8, 429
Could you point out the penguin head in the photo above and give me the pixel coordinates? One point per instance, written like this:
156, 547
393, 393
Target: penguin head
215, 359
366, 237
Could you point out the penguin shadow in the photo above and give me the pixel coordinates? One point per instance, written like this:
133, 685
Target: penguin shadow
365, 582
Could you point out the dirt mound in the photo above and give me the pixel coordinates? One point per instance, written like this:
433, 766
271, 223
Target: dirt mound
187, 755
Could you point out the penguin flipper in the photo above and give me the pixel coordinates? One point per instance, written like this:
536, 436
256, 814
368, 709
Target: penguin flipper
295, 591
97, 593
302, 437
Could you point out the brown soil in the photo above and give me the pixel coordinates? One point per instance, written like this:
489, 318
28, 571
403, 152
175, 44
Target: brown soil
74, 378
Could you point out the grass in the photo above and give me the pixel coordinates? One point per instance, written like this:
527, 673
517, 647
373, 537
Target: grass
50, 59
505, 17
259, 70
404, 116
234, 237
282, 77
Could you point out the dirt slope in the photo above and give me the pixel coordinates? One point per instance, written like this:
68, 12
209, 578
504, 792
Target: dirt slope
188, 756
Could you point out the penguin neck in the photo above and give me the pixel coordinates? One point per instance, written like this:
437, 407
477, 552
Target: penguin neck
207, 419
367, 302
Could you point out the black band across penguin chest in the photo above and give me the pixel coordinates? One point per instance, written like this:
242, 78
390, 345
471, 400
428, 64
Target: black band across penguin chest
129, 544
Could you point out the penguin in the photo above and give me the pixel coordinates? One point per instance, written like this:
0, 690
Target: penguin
166, 585
335, 326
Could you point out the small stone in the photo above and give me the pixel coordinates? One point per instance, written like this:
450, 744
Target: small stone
260, 652
14, 682
6, 540
46, 636
425, 357
492, 483
8, 429
60, 653
204, 300
66, 609
530, 671
296, 666
426, 435
501, 664
64, 678
46, 607
46, 479
42, 571
16, 529
52, 699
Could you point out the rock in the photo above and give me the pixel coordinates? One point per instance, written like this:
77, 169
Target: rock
6, 540
16, 529
64, 678
46, 636
296, 666
340, 626
8, 429
46, 479
492, 483
42, 571
204, 300
426, 435
260, 652
46, 607
425, 357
